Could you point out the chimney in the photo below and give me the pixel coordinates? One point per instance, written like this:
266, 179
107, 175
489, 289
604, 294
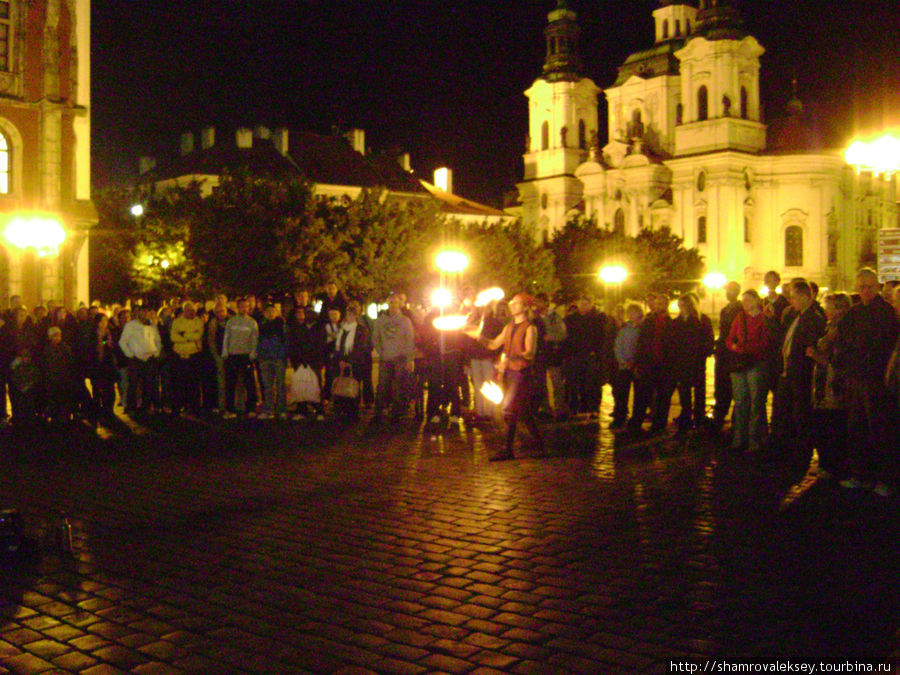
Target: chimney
207, 137
357, 139
262, 133
443, 179
280, 140
146, 164
403, 159
187, 143
244, 137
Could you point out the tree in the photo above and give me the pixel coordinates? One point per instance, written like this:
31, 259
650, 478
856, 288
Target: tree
509, 257
112, 241
656, 260
253, 234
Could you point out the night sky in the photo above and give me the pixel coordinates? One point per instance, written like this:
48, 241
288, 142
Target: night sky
442, 80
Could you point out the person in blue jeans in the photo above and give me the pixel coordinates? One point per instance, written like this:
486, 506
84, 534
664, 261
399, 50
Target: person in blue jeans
749, 343
272, 352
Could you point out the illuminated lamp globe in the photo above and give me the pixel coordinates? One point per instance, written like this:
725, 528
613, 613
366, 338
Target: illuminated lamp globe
44, 235
714, 280
451, 261
613, 274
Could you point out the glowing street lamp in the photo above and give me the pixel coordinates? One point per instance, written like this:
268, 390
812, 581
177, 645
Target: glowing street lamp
879, 155
451, 261
714, 281
613, 274
43, 235
137, 210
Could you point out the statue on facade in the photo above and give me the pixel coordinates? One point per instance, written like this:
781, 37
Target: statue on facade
562, 137
726, 106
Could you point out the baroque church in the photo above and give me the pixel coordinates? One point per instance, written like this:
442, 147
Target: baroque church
689, 149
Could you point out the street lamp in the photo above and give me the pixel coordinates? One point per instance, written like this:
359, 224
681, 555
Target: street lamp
612, 275
714, 281
451, 261
137, 210
43, 235
878, 155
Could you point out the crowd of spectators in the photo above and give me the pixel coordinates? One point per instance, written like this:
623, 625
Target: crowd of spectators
832, 369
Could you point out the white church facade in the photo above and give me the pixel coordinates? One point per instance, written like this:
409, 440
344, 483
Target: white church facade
689, 149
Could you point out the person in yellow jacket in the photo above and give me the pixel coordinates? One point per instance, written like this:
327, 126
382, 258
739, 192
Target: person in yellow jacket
187, 343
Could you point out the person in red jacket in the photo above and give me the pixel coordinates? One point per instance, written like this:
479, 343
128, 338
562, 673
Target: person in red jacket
749, 342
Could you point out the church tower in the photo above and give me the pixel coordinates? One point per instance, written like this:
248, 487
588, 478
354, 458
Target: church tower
720, 84
562, 123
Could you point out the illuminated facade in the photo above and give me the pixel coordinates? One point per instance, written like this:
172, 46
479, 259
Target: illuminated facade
689, 149
45, 150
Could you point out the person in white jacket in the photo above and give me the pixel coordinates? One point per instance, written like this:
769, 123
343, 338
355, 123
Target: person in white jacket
142, 346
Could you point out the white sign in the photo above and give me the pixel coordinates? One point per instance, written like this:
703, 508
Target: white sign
889, 254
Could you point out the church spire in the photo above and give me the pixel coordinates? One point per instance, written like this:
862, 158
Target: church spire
563, 61
720, 20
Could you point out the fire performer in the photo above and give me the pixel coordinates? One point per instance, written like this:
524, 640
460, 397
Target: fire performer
519, 340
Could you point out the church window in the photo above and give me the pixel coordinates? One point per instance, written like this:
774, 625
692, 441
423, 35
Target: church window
793, 246
702, 103
582, 135
677, 27
665, 29
545, 136
4, 36
701, 230
619, 222
688, 24
4, 165
744, 103
679, 113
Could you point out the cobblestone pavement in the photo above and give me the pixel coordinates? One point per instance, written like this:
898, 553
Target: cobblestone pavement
247, 546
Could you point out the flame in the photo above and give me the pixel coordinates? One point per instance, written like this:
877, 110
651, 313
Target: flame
450, 322
492, 392
488, 296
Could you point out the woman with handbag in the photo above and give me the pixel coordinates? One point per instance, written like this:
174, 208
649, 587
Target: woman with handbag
749, 343
352, 345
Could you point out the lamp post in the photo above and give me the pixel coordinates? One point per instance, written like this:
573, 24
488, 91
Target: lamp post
612, 275
714, 281
34, 237
879, 156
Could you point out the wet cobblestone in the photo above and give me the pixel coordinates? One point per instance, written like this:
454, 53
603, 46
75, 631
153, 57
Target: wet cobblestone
246, 546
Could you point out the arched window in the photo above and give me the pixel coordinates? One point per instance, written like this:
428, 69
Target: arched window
665, 30
679, 114
688, 29
745, 102
677, 27
702, 103
545, 136
701, 230
793, 246
582, 135
4, 165
619, 222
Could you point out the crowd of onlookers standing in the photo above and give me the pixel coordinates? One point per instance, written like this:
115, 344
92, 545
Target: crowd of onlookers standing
830, 364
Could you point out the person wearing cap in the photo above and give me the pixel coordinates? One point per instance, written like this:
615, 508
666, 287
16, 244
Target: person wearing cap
186, 334
519, 340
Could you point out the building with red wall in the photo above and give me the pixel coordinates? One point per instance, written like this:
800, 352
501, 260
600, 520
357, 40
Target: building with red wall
45, 209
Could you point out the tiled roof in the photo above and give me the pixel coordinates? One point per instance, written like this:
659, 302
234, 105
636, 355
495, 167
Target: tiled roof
324, 159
